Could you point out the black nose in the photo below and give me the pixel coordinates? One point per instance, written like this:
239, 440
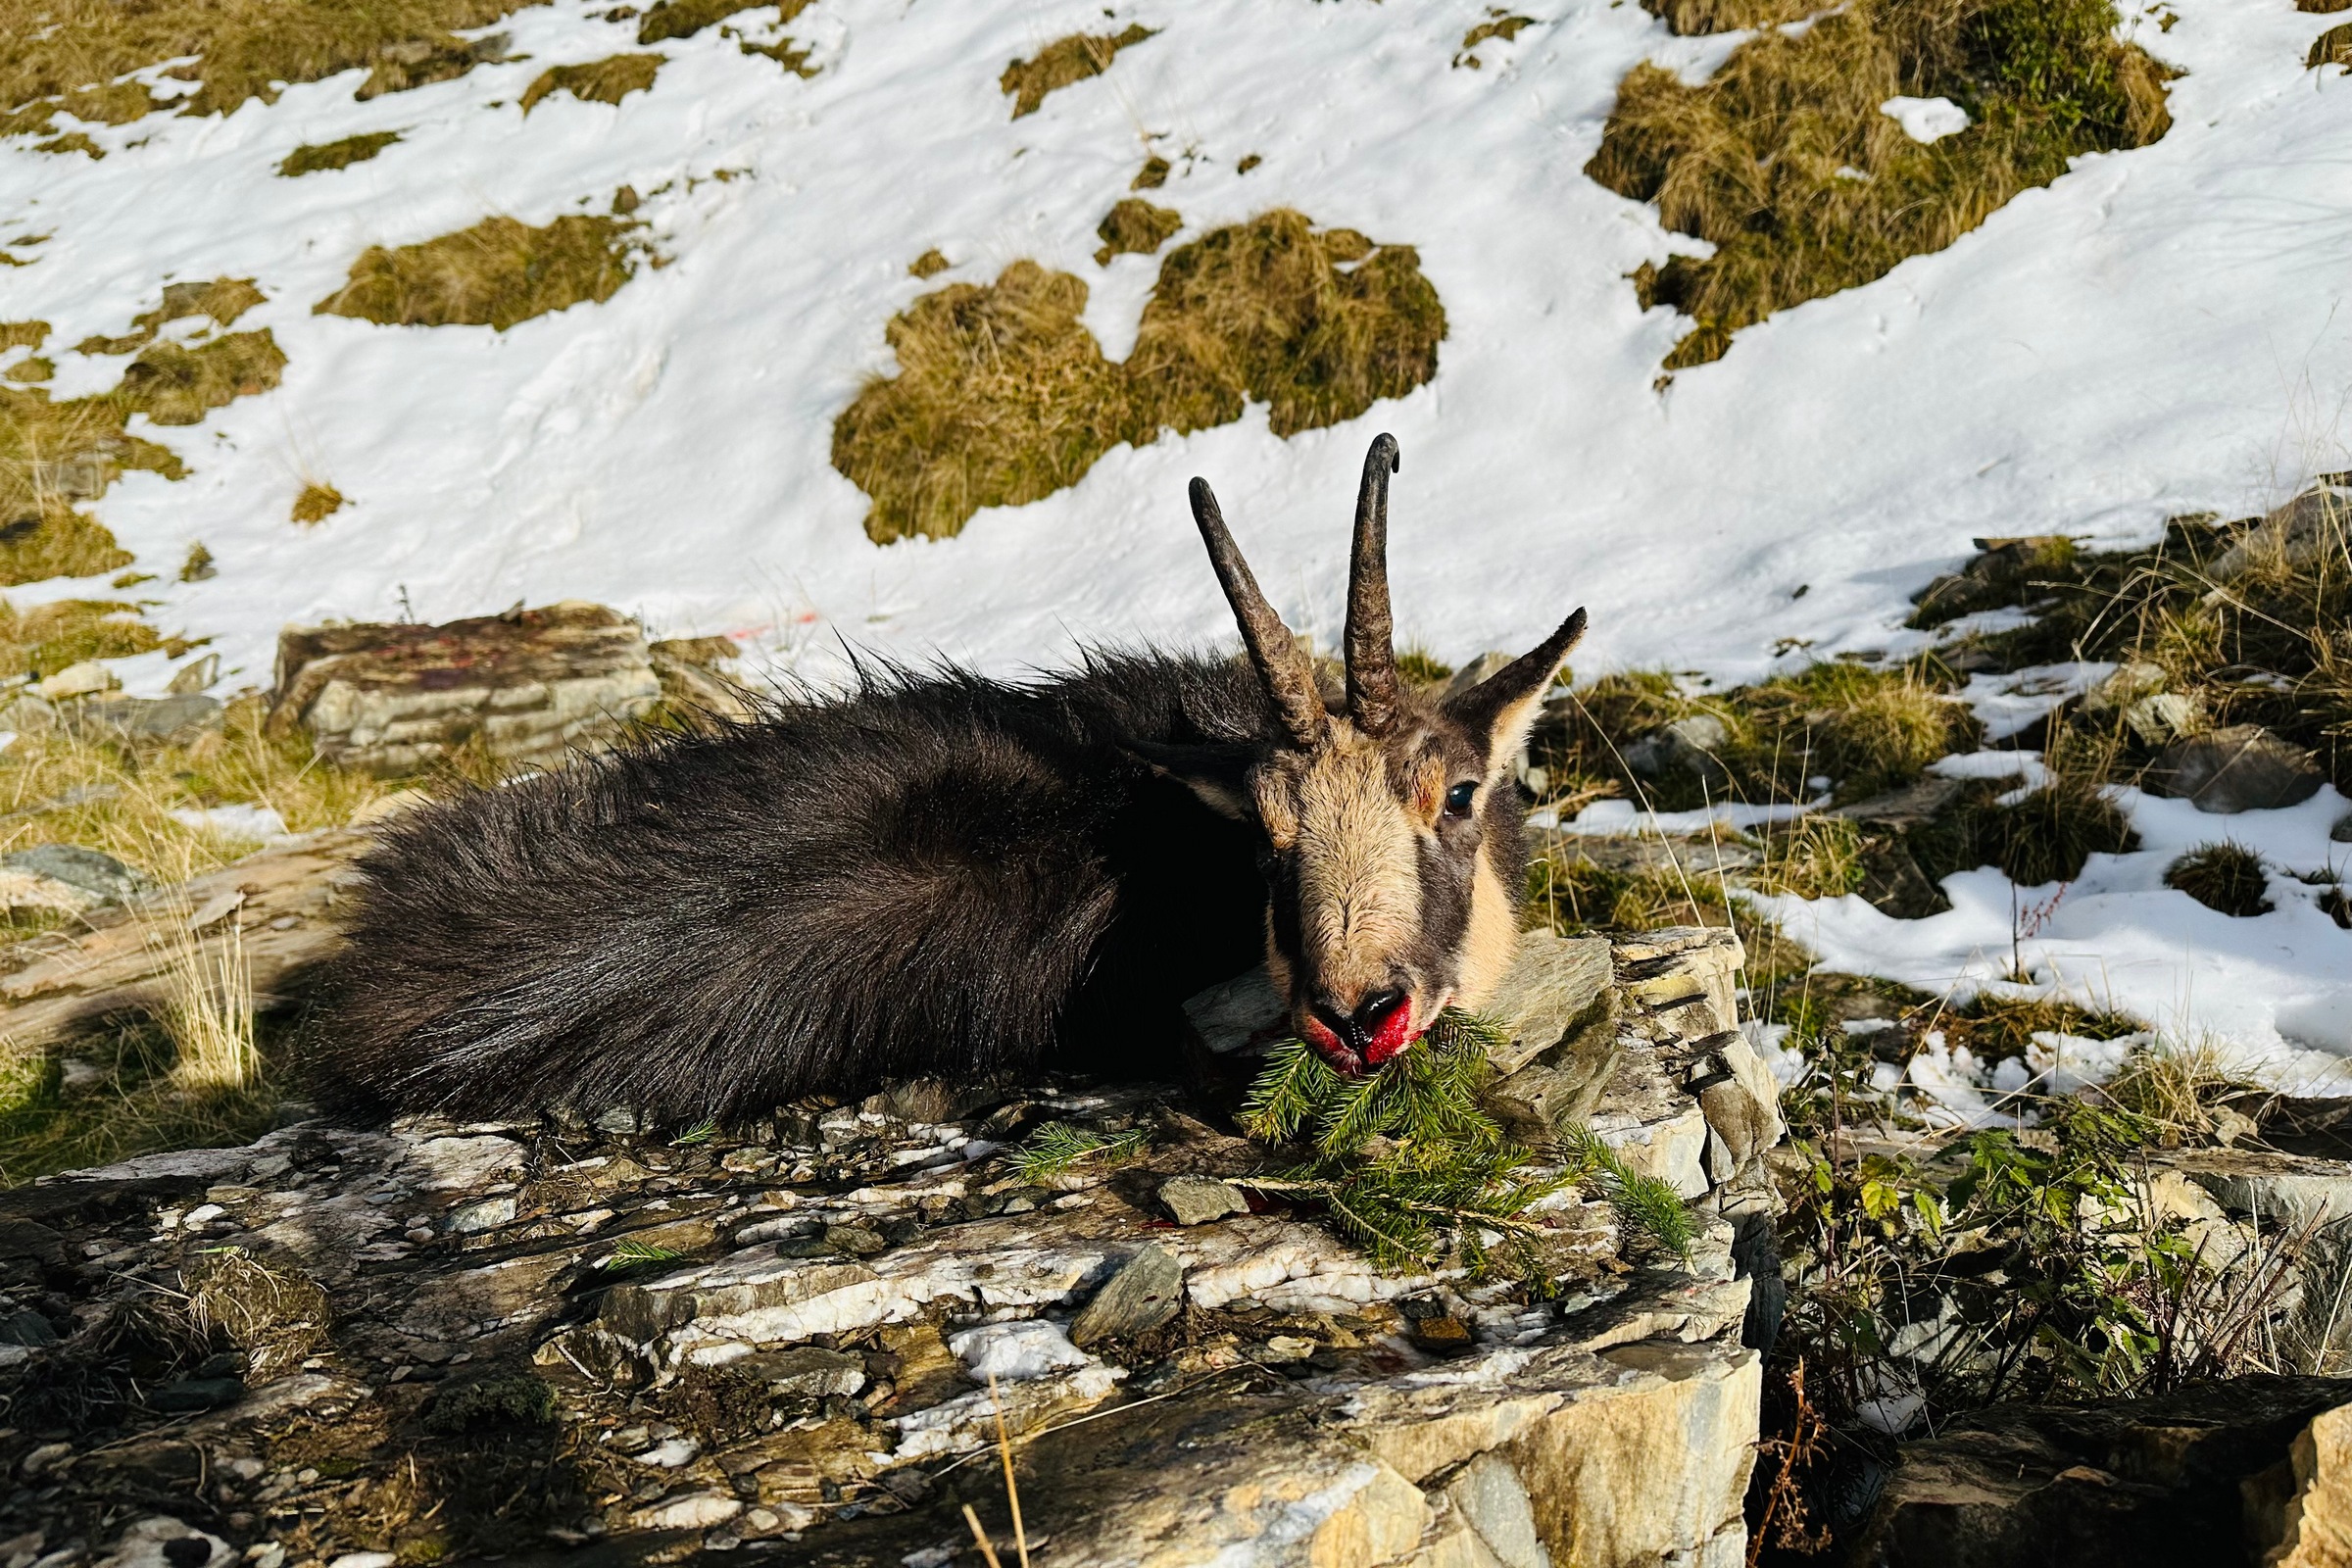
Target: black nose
1359, 1025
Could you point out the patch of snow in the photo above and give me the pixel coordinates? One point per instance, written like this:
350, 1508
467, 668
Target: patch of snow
1927, 120
243, 821
1015, 1351
2008, 704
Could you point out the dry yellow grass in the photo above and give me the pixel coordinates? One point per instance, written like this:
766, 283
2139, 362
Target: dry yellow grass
1320, 323
23, 334
1002, 395
1063, 62
316, 502
496, 273
930, 264
208, 1009
350, 150
683, 19
1135, 227
71, 54
1786, 162
600, 81
1727, 15
46, 638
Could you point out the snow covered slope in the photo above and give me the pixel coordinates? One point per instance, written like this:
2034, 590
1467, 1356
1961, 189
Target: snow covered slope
2160, 331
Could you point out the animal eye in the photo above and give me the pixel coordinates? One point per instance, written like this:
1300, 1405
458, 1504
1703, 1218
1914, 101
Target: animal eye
1459, 799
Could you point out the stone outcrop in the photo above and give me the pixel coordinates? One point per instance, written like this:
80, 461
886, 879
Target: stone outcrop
2248, 1470
531, 686
635, 1345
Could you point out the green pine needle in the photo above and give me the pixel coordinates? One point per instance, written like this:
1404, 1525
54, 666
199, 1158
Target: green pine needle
635, 1254
1057, 1148
698, 1132
1644, 1204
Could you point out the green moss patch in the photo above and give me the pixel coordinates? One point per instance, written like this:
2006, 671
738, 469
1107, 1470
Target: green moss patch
350, 150
1064, 61
1784, 161
496, 273
1002, 395
600, 81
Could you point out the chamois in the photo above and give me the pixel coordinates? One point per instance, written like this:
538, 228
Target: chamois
943, 874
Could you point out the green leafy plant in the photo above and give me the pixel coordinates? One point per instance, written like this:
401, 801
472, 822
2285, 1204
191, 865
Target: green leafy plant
1412, 1168
1058, 1147
637, 1255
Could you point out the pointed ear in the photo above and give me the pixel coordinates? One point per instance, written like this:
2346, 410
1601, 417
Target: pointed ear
1501, 709
1218, 775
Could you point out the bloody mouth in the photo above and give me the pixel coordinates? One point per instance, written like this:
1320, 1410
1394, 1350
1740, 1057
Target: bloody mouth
1396, 1032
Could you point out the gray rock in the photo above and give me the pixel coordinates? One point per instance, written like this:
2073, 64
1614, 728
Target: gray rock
1146, 1291
486, 1215
1198, 1200
195, 676
93, 871
1471, 674
803, 1370
156, 718
2242, 768
2341, 832
1688, 746
1922, 801
2296, 534
1239, 1014
1555, 987
2194, 1477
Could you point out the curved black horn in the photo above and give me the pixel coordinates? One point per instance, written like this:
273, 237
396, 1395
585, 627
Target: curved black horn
1371, 633
1288, 677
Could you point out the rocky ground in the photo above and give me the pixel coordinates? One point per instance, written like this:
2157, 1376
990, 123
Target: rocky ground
358, 1346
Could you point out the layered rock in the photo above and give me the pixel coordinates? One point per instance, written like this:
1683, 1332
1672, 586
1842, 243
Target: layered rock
808, 1338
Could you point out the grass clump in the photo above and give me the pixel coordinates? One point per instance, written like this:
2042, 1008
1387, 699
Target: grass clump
500, 1396
683, 19
277, 1316
496, 273
1499, 23
2226, 877
1813, 857
1785, 162
1319, 324
1412, 1168
316, 502
1135, 227
600, 81
312, 160
1690, 17
930, 264
47, 638
31, 369
70, 53
1063, 62
1004, 396
23, 334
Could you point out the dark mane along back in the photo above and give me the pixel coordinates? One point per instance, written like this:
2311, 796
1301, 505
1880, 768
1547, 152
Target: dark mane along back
932, 876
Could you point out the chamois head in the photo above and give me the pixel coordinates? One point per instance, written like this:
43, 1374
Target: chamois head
1391, 821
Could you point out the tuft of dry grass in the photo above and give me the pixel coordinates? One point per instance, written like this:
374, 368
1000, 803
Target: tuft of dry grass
31, 369
23, 334
1154, 174
1002, 395
683, 19
496, 273
1690, 17
1812, 857
316, 502
1783, 160
600, 81
312, 160
1499, 23
1063, 62
1319, 324
47, 638
2226, 877
74, 142
1135, 227
277, 1316
930, 264
208, 1009
2331, 48
71, 55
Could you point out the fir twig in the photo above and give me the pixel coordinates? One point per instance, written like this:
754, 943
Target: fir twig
1058, 1147
1644, 1204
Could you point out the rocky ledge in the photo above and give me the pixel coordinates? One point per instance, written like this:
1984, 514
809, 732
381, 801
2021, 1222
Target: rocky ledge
361, 1347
